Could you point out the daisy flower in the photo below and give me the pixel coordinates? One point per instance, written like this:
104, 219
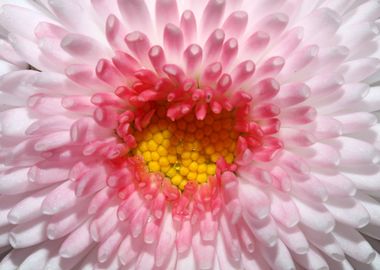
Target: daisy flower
205, 134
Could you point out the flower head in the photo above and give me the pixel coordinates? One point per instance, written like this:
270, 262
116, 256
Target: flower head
171, 134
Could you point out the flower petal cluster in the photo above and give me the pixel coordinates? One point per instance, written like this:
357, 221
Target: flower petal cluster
83, 82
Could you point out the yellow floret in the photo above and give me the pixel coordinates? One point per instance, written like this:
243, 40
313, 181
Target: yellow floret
171, 172
183, 171
188, 146
176, 180
202, 178
148, 136
154, 166
179, 149
201, 159
211, 169
182, 184
229, 158
143, 147
192, 176
166, 143
194, 155
158, 137
196, 146
186, 155
186, 162
209, 150
186, 149
189, 137
167, 134
152, 145
164, 161
172, 159
147, 156
154, 129
232, 147
202, 168
172, 150
215, 157
155, 156
193, 166
162, 151
165, 169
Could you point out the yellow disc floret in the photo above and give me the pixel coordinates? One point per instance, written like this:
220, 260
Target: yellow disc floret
187, 149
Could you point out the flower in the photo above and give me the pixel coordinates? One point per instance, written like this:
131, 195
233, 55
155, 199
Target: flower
172, 134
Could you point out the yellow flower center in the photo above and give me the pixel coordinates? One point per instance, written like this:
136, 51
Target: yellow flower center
187, 149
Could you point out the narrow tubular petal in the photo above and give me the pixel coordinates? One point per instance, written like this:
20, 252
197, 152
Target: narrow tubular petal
325, 243
236, 23
358, 70
370, 204
277, 256
168, 7
188, 26
294, 239
354, 244
29, 208
173, 40
77, 242
298, 115
315, 216
336, 184
321, 155
136, 14
16, 181
311, 260
310, 189
109, 246
51, 205
28, 234
165, 243
14, 122
204, 253
284, 210
355, 215
62, 224
212, 15
356, 122
115, 31
264, 230
129, 250
354, 152
246, 195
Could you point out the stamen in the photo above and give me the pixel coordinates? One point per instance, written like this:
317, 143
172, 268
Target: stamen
187, 150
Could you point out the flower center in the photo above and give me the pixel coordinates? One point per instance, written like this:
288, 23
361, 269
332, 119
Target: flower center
186, 149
